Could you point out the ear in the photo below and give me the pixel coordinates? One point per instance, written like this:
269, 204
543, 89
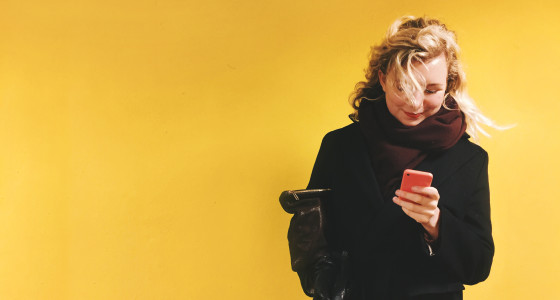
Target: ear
382, 79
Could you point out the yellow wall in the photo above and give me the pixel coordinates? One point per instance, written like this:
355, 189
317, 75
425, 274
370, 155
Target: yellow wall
145, 143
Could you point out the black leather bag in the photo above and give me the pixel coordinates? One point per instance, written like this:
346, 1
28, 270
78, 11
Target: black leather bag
323, 273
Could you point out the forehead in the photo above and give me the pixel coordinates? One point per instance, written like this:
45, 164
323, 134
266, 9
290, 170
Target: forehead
433, 70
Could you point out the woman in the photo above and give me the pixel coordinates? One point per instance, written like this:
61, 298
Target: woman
412, 112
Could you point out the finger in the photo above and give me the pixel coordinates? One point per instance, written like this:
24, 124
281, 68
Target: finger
421, 206
430, 191
414, 197
426, 210
409, 205
420, 218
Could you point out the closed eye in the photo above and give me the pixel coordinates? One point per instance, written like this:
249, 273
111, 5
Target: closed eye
431, 91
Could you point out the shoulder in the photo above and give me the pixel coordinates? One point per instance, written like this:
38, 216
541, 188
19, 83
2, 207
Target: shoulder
344, 134
340, 142
467, 148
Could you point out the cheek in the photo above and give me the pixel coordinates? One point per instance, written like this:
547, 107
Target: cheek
394, 100
432, 106
393, 104
433, 103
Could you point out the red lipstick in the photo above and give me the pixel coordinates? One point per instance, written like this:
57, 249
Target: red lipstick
411, 115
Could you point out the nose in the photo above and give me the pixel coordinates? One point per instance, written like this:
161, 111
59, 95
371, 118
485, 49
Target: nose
417, 102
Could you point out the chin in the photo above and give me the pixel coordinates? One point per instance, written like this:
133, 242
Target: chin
411, 123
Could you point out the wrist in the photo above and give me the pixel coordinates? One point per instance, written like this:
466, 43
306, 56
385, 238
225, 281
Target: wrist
432, 228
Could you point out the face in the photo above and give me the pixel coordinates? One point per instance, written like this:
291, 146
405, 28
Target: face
427, 102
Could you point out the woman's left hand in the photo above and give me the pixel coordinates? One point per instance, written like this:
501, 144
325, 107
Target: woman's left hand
421, 205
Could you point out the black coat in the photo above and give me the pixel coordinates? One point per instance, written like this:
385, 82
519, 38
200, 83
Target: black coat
389, 258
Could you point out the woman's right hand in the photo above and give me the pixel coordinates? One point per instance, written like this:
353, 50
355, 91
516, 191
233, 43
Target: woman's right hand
421, 205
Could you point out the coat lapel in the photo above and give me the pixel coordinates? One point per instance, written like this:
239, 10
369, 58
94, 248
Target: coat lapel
444, 165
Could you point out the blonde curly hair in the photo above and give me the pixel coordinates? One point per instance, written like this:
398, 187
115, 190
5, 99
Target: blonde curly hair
408, 40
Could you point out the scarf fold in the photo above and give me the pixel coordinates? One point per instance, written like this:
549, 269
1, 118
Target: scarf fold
394, 147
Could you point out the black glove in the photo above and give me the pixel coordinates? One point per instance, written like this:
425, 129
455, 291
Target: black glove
326, 270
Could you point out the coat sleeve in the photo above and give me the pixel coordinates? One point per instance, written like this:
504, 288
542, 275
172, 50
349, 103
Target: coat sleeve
466, 246
323, 169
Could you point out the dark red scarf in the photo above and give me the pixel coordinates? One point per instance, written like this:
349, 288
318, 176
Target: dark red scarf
395, 147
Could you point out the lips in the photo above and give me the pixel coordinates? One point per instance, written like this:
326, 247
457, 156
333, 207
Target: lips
411, 115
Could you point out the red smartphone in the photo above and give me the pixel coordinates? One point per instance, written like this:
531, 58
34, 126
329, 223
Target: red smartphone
415, 178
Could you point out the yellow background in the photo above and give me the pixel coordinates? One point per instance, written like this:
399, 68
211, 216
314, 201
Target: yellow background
144, 143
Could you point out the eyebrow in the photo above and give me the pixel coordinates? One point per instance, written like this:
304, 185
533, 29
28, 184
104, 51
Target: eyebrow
439, 85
